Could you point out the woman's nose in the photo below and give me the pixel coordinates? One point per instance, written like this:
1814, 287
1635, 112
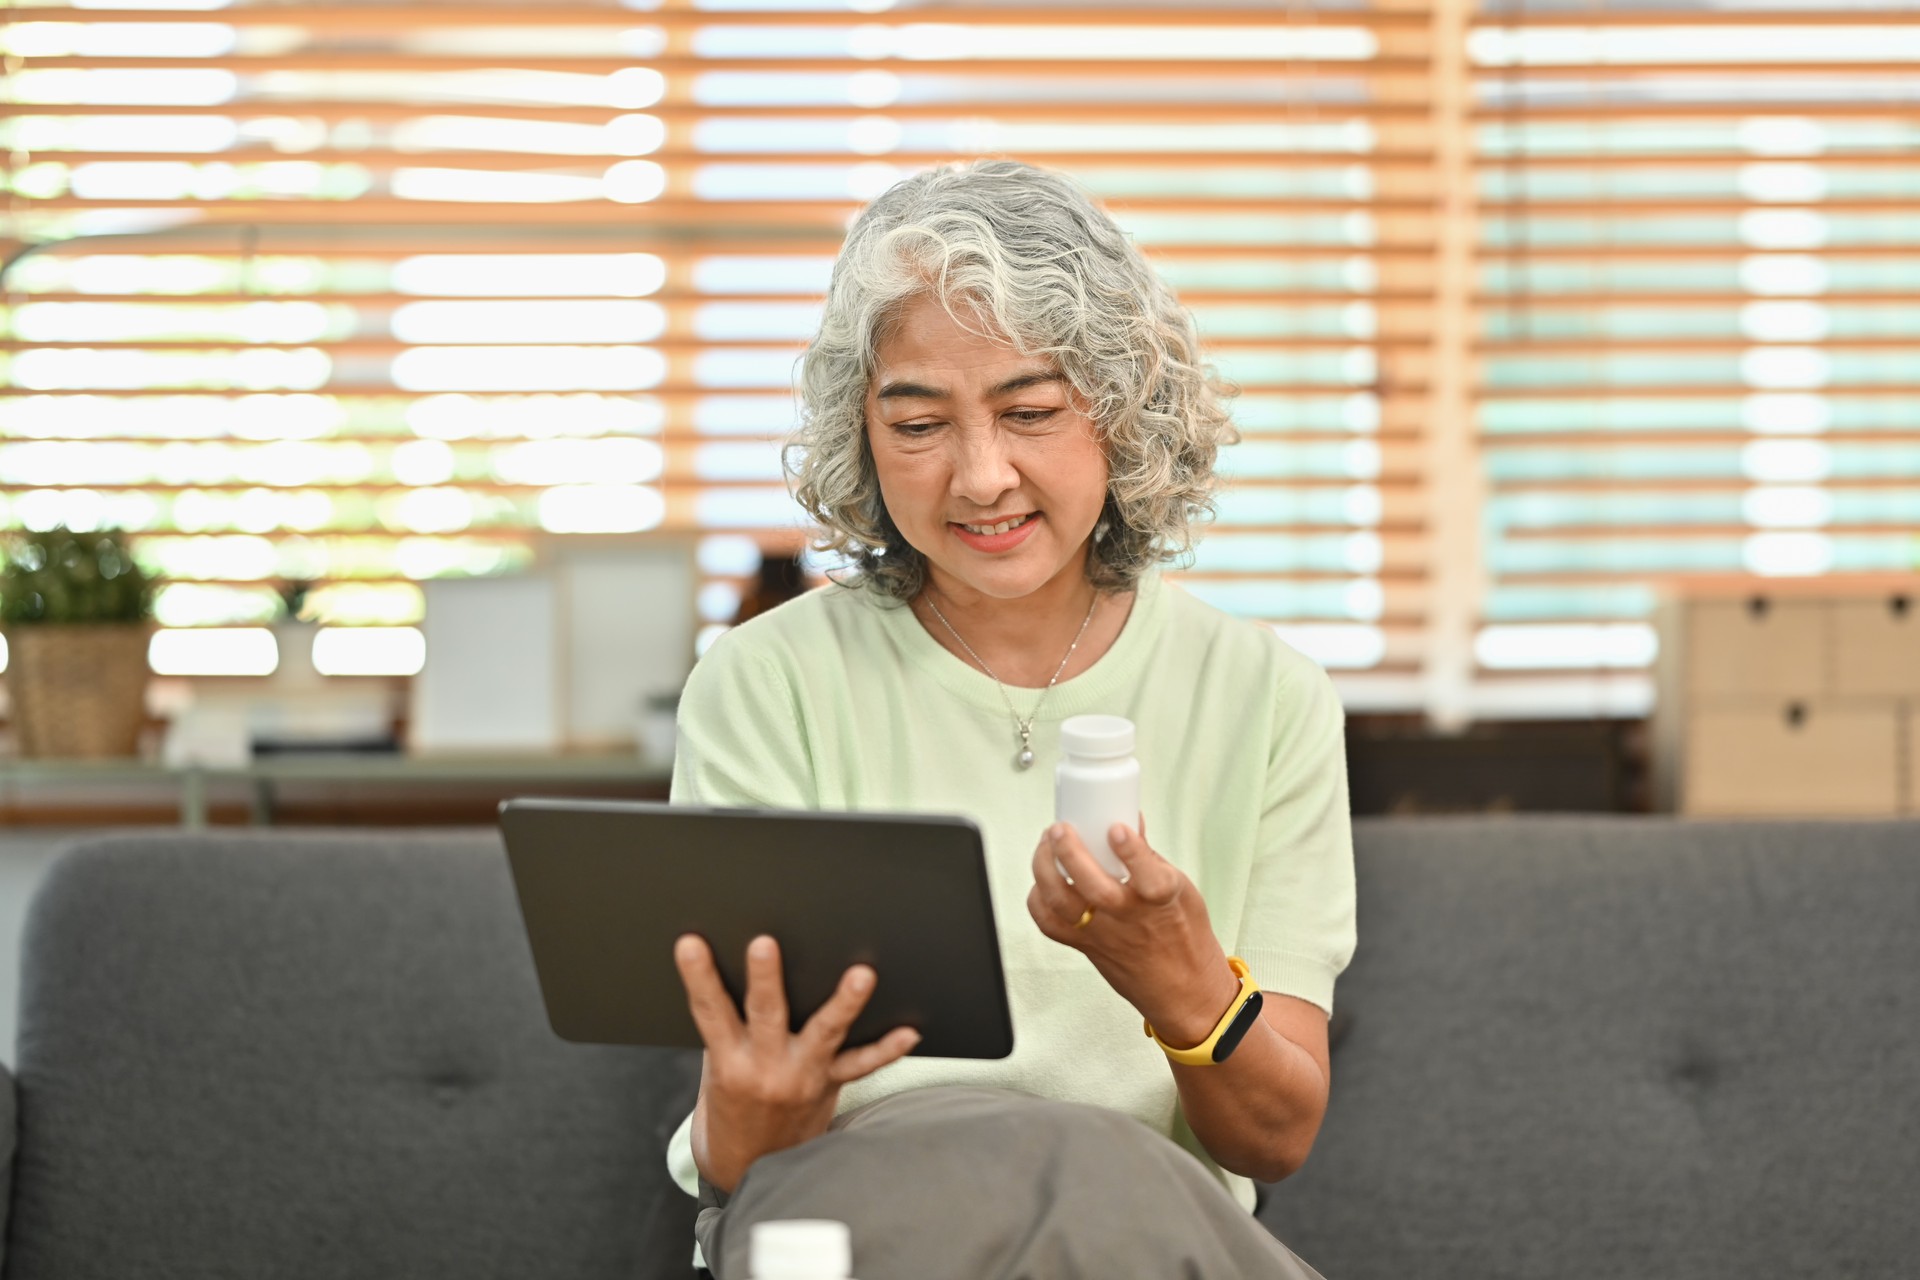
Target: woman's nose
983, 469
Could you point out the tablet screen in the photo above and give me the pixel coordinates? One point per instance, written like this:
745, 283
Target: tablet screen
605, 887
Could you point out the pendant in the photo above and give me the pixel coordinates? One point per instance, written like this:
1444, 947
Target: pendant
1024, 759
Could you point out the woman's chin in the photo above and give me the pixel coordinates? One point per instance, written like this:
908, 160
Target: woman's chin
1004, 578
1003, 582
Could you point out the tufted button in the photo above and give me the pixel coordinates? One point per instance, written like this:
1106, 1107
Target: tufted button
449, 1084
1696, 1071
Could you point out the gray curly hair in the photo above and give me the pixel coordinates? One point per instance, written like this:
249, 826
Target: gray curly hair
1021, 252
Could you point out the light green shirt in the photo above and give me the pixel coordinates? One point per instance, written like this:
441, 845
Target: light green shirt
840, 699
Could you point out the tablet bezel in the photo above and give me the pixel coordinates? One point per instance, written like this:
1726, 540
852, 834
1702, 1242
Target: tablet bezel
605, 887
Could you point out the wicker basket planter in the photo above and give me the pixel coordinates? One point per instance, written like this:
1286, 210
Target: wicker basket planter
78, 691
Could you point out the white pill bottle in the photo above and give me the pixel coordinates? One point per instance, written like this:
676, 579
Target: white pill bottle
1097, 783
800, 1249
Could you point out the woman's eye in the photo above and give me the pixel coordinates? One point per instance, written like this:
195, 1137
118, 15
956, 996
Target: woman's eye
1030, 416
914, 428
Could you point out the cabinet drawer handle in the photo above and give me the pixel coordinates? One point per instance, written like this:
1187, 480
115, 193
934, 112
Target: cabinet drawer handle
1899, 606
1757, 607
1796, 714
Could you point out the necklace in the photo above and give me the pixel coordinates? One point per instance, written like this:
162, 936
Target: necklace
1025, 759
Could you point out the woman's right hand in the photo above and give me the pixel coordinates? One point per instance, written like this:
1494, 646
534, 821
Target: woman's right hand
764, 1088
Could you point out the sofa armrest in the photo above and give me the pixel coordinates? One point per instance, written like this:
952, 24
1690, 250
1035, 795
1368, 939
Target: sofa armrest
9, 1144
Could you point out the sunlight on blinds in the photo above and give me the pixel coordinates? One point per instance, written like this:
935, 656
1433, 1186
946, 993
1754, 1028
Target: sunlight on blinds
1698, 320
362, 295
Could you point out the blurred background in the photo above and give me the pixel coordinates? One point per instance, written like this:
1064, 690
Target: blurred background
1577, 344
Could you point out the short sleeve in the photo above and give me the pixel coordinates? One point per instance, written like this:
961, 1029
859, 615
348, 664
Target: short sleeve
1298, 932
738, 737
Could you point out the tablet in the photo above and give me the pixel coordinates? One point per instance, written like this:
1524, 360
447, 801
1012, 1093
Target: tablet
606, 886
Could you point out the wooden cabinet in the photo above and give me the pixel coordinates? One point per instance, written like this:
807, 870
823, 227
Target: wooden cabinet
1796, 699
1877, 647
1794, 758
1742, 648
1910, 749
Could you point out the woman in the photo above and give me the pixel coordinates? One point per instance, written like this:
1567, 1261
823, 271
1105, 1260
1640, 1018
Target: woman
995, 352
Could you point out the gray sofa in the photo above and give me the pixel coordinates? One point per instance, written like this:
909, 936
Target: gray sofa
1577, 1048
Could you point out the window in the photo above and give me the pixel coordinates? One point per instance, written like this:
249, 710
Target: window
1697, 314
1533, 307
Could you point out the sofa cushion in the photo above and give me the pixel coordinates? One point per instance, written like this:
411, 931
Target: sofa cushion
321, 1056
1623, 1047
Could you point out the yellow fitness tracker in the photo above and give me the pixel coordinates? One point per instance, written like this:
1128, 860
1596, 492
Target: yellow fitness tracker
1228, 1032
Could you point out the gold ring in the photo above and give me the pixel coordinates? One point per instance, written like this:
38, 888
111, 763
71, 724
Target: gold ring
1085, 916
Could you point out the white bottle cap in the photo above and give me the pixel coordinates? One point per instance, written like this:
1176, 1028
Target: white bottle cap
800, 1249
1096, 737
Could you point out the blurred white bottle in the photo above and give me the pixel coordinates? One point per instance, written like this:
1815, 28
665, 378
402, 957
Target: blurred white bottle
1097, 783
801, 1249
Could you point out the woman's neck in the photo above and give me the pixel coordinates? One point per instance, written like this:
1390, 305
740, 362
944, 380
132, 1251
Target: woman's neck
1024, 639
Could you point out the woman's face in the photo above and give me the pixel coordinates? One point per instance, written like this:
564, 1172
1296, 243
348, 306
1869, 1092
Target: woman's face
965, 430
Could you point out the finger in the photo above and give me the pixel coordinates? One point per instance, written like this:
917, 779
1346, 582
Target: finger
1091, 881
1045, 866
1048, 859
1152, 878
1127, 876
827, 1029
867, 1059
1058, 899
707, 998
1050, 919
766, 994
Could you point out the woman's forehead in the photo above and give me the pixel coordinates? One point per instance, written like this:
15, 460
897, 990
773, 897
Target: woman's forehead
927, 345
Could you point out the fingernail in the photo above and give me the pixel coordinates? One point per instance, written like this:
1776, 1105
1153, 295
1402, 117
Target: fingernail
1119, 835
761, 948
862, 980
1057, 830
913, 1039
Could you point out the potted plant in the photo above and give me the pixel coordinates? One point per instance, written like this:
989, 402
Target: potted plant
77, 612
293, 633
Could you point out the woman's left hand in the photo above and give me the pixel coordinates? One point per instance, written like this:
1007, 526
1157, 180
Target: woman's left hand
1149, 937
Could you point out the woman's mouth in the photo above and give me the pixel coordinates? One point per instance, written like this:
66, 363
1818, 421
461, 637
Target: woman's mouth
1002, 536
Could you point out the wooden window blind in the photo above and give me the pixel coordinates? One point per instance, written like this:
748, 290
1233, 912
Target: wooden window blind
1535, 306
366, 293
1696, 317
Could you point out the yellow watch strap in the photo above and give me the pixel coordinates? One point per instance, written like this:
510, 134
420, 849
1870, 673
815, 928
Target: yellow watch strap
1201, 1055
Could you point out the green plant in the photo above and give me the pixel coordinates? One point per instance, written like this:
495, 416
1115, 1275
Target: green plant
59, 576
293, 598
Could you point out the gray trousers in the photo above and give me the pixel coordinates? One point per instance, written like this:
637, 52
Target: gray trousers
961, 1183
